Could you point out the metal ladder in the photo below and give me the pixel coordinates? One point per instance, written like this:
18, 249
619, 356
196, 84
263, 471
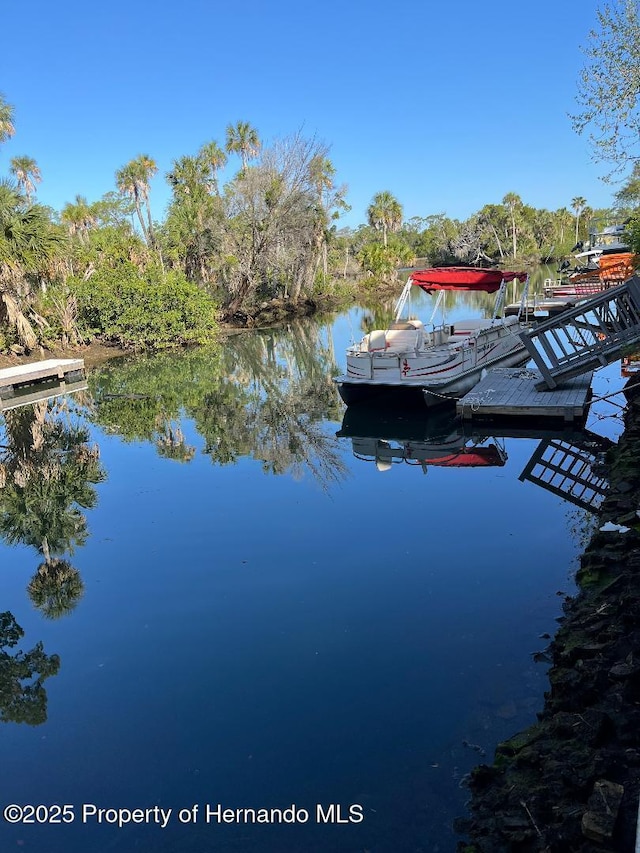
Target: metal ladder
586, 337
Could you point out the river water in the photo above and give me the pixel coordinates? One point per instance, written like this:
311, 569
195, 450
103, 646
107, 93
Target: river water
218, 591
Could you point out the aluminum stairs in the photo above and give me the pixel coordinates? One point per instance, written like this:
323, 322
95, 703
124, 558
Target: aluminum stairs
586, 337
569, 467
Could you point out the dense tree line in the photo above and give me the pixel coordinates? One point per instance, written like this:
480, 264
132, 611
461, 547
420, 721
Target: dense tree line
269, 235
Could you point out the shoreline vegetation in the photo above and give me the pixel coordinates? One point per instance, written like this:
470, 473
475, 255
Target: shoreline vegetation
263, 247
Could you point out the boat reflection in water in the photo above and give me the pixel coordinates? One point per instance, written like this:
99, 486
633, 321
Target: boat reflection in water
411, 438
568, 463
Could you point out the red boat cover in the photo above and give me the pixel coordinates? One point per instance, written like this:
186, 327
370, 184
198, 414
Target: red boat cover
478, 457
468, 457
463, 278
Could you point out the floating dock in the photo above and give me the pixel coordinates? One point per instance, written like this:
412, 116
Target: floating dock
541, 308
509, 392
62, 370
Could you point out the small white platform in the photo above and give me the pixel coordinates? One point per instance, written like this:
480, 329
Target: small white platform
511, 392
21, 375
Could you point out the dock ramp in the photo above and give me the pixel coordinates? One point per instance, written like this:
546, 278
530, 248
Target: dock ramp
591, 335
571, 469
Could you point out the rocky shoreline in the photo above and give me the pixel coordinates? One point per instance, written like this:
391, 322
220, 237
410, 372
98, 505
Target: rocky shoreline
570, 783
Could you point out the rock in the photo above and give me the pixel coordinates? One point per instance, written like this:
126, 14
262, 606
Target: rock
624, 670
610, 527
599, 821
17, 349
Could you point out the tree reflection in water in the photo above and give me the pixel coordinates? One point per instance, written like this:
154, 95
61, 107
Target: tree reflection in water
56, 588
23, 698
47, 476
261, 394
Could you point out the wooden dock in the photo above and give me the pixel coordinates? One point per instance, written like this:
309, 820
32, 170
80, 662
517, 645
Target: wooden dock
540, 308
512, 392
62, 370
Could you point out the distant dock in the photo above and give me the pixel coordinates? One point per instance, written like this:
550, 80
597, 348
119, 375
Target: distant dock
512, 393
63, 371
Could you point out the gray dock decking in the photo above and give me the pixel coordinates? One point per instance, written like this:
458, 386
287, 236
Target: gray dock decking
23, 375
512, 392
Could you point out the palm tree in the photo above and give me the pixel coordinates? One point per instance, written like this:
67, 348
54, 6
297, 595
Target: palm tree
513, 202
562, 218
56, 588
6, 120
385, 213
321, 173
243, 139
578, 204
188, 176
133, 180
147, 169
29, 249
27, 174
215, 158
79, 217
49, 472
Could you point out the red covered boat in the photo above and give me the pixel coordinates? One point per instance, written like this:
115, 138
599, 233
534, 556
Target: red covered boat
440, 361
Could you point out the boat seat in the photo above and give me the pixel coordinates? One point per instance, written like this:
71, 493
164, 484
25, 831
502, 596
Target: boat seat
403, 340
470, 328
465, 327
394, 340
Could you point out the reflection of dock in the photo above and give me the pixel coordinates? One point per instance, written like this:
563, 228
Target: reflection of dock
46, 391
569, 469
63, 370
566, 461
512, 392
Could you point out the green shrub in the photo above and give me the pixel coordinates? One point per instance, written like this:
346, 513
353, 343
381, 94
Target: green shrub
150, 310
632, 233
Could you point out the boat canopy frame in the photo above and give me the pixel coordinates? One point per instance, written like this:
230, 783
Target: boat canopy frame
443, 279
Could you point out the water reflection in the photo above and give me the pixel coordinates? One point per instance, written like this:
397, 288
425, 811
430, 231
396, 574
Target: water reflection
414, 438
558, 784
23, 698
572, 467
370, 667
48, 471
264, 395
566, 462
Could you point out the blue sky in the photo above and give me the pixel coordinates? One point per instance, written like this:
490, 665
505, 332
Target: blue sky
447, 105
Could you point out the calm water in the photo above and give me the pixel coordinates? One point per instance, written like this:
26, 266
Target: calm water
236, 608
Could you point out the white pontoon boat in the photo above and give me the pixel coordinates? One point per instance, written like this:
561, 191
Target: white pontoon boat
438, 362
